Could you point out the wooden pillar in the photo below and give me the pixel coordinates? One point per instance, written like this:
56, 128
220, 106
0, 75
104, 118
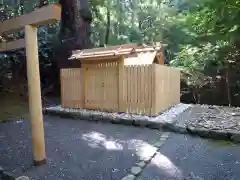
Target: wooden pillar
34, 94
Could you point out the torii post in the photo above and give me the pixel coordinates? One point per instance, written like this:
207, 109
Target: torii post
29, 22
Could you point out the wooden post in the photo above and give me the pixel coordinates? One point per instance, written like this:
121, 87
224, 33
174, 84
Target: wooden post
34, 94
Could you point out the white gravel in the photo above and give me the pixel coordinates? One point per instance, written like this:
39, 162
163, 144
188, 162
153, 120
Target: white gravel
173, 112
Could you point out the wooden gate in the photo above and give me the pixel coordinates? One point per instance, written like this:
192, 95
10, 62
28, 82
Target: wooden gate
101, 86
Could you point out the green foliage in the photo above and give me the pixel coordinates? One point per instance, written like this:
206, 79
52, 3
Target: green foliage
202, 35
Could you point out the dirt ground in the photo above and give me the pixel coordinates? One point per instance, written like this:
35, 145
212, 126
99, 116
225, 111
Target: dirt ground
12, 107
15, 107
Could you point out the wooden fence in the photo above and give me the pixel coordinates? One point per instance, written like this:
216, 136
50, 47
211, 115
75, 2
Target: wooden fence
145, 89
138, 85
167, 87
72, 88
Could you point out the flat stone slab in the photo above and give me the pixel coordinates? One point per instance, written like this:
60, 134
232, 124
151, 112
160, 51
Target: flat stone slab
75, 149
129, 177
136, 170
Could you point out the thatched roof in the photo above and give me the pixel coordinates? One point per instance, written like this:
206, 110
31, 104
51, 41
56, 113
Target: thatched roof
126, 49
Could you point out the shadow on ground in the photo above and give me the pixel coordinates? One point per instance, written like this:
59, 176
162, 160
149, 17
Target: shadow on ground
191, 158
75, 149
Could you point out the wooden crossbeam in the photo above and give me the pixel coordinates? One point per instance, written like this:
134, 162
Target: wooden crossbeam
11, 45
41, 16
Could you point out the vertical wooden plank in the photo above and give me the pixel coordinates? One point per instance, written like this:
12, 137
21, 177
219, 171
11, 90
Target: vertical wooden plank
153, 87
128, 88
165, 88
127, 91
173, 86
86, 84
125, 87
144, 88
169, 87
120, 83
149, 84
150, 88
138, 76
141, 89
178, 86
161, 90
134, 89
137, 89
98, 87
145, 94
99, 90
158, 88
34, 94
82, 87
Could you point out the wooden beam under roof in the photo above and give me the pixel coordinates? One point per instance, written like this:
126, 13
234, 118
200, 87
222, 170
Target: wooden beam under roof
41, 16
11, 45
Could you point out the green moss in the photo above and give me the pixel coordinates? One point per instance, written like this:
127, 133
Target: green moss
12, 108
221, 143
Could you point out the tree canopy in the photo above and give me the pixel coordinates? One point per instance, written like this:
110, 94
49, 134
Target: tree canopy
201, 37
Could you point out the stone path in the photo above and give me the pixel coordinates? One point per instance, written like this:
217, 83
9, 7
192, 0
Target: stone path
79, 149
184, 157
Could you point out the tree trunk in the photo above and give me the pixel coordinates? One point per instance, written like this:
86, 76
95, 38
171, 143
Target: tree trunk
196, 95
74, 34
75, 30
134, 12
76, 21
43, 3
108, 26
228, 87
120, 17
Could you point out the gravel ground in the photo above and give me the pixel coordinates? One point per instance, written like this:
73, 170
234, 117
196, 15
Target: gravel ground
76, 149
214, 117
211, 117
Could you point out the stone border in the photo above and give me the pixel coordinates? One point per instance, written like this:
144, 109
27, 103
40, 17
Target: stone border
233, 136
4, 175
227, 135
142, 164
166, 120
